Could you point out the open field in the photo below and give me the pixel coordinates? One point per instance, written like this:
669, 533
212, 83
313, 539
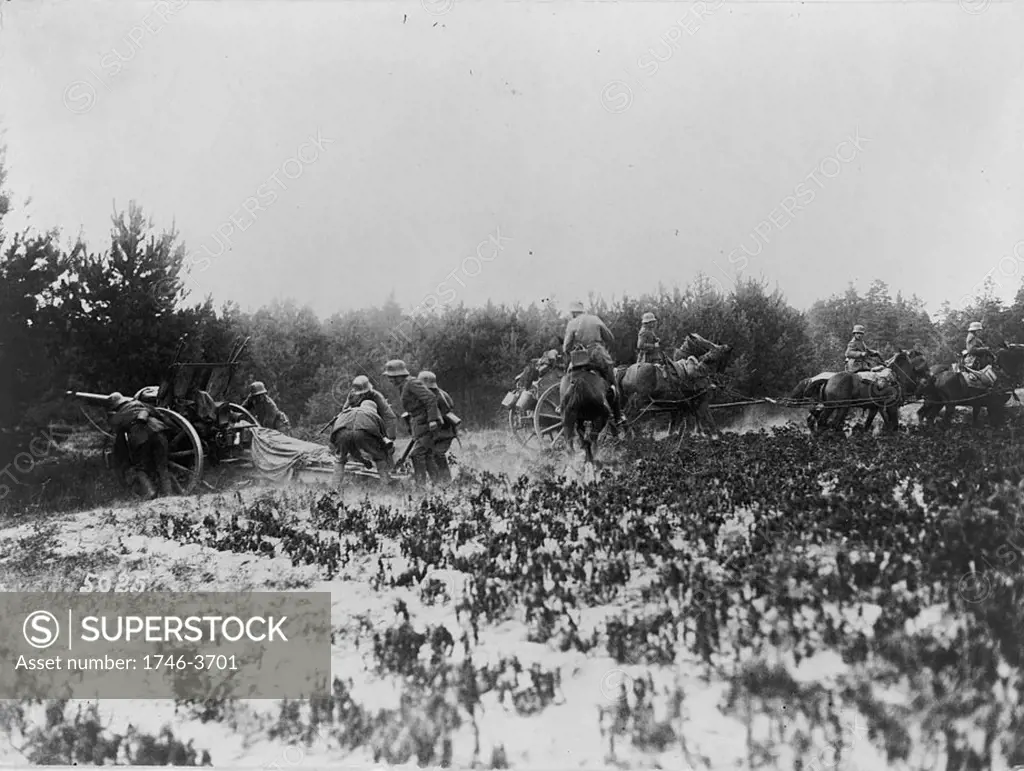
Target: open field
768, 600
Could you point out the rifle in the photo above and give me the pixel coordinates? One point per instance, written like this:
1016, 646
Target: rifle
408, 449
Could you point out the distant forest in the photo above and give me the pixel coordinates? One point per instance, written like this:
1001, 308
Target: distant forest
112, 320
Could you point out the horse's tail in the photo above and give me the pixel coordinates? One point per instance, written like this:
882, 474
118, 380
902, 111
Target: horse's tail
620, 375
583, 392
574, 397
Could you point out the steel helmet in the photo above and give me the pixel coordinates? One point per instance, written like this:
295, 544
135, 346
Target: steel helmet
428, 378
858, 328
361, 385
576, 307
648, 318
551, 355
396, 368
368, 404
115, 400
149, 393
257, 388
975, 327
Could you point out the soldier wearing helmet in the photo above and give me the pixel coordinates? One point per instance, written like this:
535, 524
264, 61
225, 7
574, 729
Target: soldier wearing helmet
857, 352
360, 430
140, 443
363, 390
265, 409
421, 412
648, 346
588, 331
977, 354
548, 360
439, 470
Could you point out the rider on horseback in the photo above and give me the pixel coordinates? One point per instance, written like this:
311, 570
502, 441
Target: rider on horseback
648, 346
977, 355
587, 331
857, 352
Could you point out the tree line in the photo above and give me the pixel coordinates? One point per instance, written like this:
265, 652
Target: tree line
112, 320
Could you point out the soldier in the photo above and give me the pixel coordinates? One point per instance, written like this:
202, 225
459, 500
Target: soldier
139, 441
424, 419
857, 351
440, 470
359, 430
977, 355
265, 409
648, 346
587, 330
361, 391
547, 361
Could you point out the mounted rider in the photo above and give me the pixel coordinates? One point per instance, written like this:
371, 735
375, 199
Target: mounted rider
361, 391
858, 353
421, 413
439, 469
587, 331
265, 409
977, 354
648, 346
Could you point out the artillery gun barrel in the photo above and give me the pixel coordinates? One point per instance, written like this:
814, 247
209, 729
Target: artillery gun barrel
95, 400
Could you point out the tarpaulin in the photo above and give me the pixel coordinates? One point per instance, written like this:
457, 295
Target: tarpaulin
277, 456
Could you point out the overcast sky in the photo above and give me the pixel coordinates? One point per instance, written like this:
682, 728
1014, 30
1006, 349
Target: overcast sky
603, 146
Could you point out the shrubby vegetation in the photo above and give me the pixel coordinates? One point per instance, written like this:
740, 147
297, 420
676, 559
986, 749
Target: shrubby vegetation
112, 319
68, 737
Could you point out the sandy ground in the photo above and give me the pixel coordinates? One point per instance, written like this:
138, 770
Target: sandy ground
112, 542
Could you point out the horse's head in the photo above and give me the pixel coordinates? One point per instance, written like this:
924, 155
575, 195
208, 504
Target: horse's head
1010, 359
717, 359
910, 368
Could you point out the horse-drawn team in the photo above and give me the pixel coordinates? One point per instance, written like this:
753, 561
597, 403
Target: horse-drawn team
592, 394
592, 391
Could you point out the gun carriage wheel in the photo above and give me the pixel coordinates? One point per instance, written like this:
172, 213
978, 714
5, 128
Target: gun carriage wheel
520, 423
185, 457
547, 419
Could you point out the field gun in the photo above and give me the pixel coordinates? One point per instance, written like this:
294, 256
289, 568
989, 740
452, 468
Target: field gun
93, 400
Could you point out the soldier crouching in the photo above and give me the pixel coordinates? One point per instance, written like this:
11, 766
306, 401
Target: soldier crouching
361, 430
141, 447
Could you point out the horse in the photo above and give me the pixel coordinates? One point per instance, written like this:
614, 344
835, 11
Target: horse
583, 396
810, 390
947, 388
688, 386
882, 391
697, 346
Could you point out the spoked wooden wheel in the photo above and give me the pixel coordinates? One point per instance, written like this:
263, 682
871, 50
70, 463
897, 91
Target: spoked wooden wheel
185, 458
238, 412
241, 414
520, 421
520, 424
547, 420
